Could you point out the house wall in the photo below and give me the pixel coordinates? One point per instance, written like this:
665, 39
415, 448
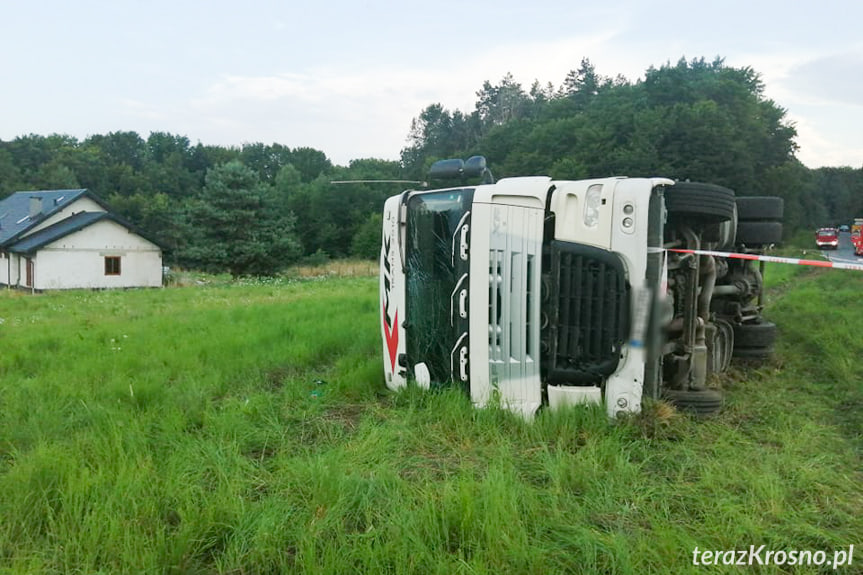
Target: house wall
79, 205
78, 260
13, 271
5, 261
10, 266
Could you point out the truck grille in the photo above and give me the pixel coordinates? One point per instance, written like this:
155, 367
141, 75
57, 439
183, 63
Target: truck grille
588, 314
514, 283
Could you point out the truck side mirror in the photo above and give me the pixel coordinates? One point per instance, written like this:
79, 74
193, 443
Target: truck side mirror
447, 169
474, 167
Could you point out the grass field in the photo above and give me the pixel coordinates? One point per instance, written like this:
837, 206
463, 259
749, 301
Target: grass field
245, 428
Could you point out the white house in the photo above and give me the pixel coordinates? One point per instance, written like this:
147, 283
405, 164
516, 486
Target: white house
63, 239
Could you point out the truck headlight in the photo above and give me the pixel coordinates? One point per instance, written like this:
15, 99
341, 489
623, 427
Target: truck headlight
591, 205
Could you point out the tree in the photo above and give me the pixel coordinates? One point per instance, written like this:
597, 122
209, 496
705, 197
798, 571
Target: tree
238, 225
367, 241
54, 175
430, 135
583, 85
265, 160
698, 120
122, 148
310, 162
541, 95
498, 104
10, 175
168, 167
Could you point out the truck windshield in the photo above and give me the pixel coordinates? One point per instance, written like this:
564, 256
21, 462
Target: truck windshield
434, 268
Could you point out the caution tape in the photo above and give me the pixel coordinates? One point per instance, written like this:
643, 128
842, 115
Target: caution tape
774, 259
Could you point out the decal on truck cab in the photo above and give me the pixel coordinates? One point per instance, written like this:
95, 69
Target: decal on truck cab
392, 336
391, 332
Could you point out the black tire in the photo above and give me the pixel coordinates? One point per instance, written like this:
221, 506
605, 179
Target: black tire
753, 353
720, 348
749, 335
723, 234
704, 203
754, 234
760, 208
701, 402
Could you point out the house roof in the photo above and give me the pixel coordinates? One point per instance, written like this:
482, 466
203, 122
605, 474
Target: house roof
70, 225
15, 217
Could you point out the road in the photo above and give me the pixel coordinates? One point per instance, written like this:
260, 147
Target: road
845, 252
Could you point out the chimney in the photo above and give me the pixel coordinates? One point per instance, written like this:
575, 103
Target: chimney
35, 206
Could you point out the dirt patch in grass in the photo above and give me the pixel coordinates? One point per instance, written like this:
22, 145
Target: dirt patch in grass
347, 415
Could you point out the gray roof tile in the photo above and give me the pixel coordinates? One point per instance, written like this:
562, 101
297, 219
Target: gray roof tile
15, 217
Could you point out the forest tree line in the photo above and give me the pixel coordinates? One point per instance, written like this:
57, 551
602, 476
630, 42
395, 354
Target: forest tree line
255, 209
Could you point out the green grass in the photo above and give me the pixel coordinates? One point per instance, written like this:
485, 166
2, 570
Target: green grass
245, 428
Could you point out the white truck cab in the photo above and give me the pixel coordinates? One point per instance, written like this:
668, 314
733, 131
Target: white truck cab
532, 291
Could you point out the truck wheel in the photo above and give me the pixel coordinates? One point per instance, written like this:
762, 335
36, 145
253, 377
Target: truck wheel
760, 334
754, 353
706, 203
701, 402
728, 232
760, 208
754, 234
722, 234
720, 347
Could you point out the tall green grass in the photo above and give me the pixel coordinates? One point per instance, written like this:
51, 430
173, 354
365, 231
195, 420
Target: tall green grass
246, 429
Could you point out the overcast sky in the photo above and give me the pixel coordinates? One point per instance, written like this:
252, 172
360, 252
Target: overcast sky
347, 76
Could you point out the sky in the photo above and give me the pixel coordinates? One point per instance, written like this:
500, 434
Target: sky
347, 77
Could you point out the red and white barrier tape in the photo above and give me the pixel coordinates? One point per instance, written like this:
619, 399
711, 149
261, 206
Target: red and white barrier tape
774, 259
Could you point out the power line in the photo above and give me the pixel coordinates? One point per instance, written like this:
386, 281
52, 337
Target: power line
421, 183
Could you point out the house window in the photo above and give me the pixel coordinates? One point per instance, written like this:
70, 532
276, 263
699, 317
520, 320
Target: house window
112, 265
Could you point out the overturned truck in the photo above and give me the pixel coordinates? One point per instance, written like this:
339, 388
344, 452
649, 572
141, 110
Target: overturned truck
531, 291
